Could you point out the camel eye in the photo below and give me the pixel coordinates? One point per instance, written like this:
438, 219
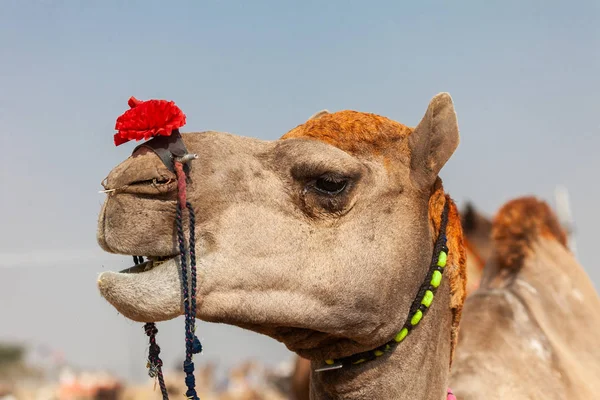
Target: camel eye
330, 186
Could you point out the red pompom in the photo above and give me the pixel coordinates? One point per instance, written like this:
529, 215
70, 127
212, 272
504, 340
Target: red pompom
147, 119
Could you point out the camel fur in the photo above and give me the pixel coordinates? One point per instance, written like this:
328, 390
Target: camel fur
530, 331
477, 240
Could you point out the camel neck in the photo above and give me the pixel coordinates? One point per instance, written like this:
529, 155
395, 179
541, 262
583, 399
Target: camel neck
417, 369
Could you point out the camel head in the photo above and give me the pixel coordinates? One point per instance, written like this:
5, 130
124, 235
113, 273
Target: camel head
320, 239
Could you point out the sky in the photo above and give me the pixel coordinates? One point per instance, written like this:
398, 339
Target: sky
523, 77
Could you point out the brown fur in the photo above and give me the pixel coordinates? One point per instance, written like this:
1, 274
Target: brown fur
456, 265
355, 132
518, 225
300, 379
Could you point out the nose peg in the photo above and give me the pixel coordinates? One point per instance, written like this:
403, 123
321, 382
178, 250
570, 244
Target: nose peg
187, 158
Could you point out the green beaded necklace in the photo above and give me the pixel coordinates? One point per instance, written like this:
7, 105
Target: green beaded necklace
418, 309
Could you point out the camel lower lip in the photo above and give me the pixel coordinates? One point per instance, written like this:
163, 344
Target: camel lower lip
150, 291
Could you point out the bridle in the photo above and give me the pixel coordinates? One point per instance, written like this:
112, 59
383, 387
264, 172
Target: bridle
173, 153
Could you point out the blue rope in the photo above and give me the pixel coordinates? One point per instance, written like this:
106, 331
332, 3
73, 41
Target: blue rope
192, 343
196, 345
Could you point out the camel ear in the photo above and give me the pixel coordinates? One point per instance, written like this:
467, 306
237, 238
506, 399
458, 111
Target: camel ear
469, 218
319, 114
433, 141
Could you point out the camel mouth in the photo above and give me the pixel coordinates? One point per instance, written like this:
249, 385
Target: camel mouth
149, 291
157, 186
150, 263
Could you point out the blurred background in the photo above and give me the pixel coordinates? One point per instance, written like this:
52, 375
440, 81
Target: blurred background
523, 76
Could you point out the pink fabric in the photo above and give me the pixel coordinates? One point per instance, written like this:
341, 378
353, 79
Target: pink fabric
181, 186
451, 395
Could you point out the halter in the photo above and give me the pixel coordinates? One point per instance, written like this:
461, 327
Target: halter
418, 309
160, 120
173, 153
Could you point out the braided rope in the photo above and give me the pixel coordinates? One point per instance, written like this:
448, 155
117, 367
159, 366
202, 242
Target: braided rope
192, 343
196, 345
184, 274
154, 362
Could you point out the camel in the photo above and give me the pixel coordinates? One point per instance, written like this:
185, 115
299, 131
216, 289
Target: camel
337, 240
530, 331
477, 239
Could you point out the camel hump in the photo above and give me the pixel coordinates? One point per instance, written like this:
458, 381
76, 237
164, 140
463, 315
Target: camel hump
518, 225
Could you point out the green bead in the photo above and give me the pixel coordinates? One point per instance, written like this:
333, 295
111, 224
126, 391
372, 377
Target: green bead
400, 336
378, 353
329, 362
442, 259
427, 299
416, 318
362, 360
436, 279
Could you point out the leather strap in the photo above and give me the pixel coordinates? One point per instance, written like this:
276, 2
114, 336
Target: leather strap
167, 148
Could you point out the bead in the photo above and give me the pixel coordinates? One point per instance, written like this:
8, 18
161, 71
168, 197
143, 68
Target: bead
436, 279
329, 362
427, 299
400, 336
416, 318
378, 353
442, 259
362, 360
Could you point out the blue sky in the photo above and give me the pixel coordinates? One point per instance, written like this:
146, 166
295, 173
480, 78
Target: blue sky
523, 76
